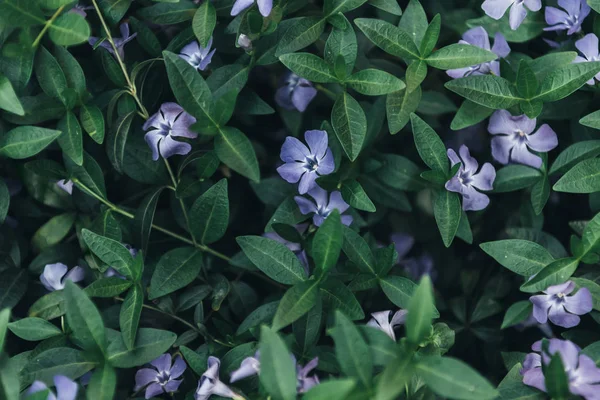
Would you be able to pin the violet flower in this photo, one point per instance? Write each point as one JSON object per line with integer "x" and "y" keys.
{"x": 66, "y": 185}
{"x": 170, "y": 121}
{"x": 210, "y": 384}
{"x": 478, "y": 37}
{"x": 296, "y": 248}
{"x": 582, "y": 373}
{"x": 55, "y": 276}
{"x": 264, "y": 6}
{"x": 81, "y": 10}
{"x": 198, "y": 57}
{"x": 305, "y": 382}
{"x": 569, "y": 20}
{"x": 497, "y": 8}
{"x": 323, "y": 205}
{"x": 588, "y": 46}
{"x": 381, "y": 320}
{"x": 119, "y": 42}
{"x": 415, "y": 267}
{"x": 306, "y": 164}
{"x": 66, "y": 389}
{"x": 467, "y": 179}
{"x": 162, "y": 378}
{"x": 249, "y": 366}
{"x": 296, "y": 93}
{"x": 516, "y": 137}
{"x": 562, "y": 310}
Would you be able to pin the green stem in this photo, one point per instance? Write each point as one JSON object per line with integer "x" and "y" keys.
{"x": 181, "y": 203}
{"x": 326, "y": 91}
{"x": 47, "y": 25}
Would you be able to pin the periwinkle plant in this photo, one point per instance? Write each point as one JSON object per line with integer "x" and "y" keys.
{"x": 299, "y": 200}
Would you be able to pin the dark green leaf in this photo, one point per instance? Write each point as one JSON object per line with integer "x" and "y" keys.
{"x": 175, "y": 270}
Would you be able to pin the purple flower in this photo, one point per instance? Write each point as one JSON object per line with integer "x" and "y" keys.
{"x": 249, "y": 366}
{"x": 210, "y": 384}
{"x": 162, "y": 378}
{"x": 170, "y": 121}
{"x": 66, "y": 389}
{"x": 582, "y": 373}
{"x": 479, "y": 37}
{"x": 66, "y": 185}
{"x": 305, "y": 382}
{"x": 119, "y": 42}
{"x": 531, "y": 322}
{"x": 79, "y": 9}
{"x": 296, "y": 248}
{"x": 323, "y": 205}
{"x": 588, "y": 46}
{"x": 198, "y": 57}
{"x": 296, "y": 93}
{"x": 562, "y": 310}
{"x": 306, "y": 164}
{"x": 55, "y": 276}
{"x": 264, "y": 6}
{"x": 497, "y": 8}
{"x": 381, "y": 321}
{"x": 516, "y": 138}
{"x": 571, "y": 20}
{"x": 467, "y": 179}
{"x": 415, "y": 267}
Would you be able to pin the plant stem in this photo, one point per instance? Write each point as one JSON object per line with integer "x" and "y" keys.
{"x": 175, "y": 317}
{"x": 47, "y": 25}
{"x": 181, "y": 203}
{"x": 326, "y": 91}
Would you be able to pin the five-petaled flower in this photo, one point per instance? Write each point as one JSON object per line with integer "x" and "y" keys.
{"x": 55, "y": 276}
{"x": 119, "y": 42}
{"x": 569, "y": 20}
{"x": 467, "y": 179}
{"x": 323, "y": 205}
{"x": 264, "y": 6}
{"x": 381, "y": 320}
{"x": 515, "y": 137}
{"x": 582, "y": 373}
{"x": 170, "y": 121}
{"x": 306, "y": 164}
{"x": 497, "y": 8}
{"x": 210, "y": 384}
{"x": 198, "y": 57}
{"x": 588, "y": 46}
{"x": 296, "y": 93}
{"x": 162, "y": 378}
{"x": 478, "y": 37}
{"x": 560, "y": 309}
{"x": 66, "y": 389}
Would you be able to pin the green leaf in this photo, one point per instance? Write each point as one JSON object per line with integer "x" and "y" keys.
{"x": 398, "y": 289}
{"x": 204, "y": 22}
{"x": 395, "y": 376}
{"x": 390, "y": 6}
{"x": 516, "y": 177}
{"x": 354, "y": 194}
{"x": 449, "y": 377}
{"x": 517, "y": 313}
{"x": 8, "y": 98}
{"x": 103, "y": 384}
{"x": 576, "y": 153}
{"x": 527, "y": 83}
{"x": 129, "y": 316}
{"x": 530, "y": 28}
{"x": 20, "y": 13}
{"x": 106, "y": 225}
{"x": 117, "y": 139}
{"x": 414, "y": 21}
{"x": 53, "y": 231}
{"x": 176, "y": 269}
{"x": 26, "y": 141}
{"x": 415, "y": 74}
{"x": 114, "y": 10}
{"x": 33, "y": 329}
{"x": 4, "y": 200}
{"x": 92, "y": 122}
{"x": 584, "y": 177}
{"x": 350, "y": 124}
{"x": 309, "y": 66}
{"x": 72, "y": 70}
{"x": 303, "y": 32}
{"x": 327, "y": 244}
{"x": 342, "y": 42}
{"x": 447, "y": 211}
{"x": 196, "y": 361}
{"x": 421, "y": 310}
{"x": 592, "y": 120}
{"x": 358, "y": 251}
{"x": 169, "y": 13}
{"x": 565, "y": 80}
{"x": 49, "y": 306}
{"x": 332, "y": 7}
{"x": 486, "y": 90}
{"x": 590, "y": 239}
{"x": 431, "y": 36}
{"x": 555, "y": 273}
{"x": 429, "y": 145}
{"x": 278, "y": 373}
{"x": 540, "y": 193}
{"x": 373, "y": 82}
{"x": 69, "y": 29}
{"x": 4, "y": 323}
{"x": 235, "y": 150}
{"x": 90, "y": 175}
{"x": 388, "y": 37}
{"x": 459, "y": 56}
{"x": 143, "y": 218}
{"x": 399, "y": 106}
{"x": 149, "y": 344}
{"x": 556, "y": 376}
{"x": 519, "y": 256}
{"x": 60, "y": 360}
{"x": 296, "y": 302}
{"x": 332, "y": 389}
{"x": 351, "y": 350}
{"x": 107, "y": 287}
{"x": 262, "y": 315}
{"x": 338, "y": 296}
{"x": 210, "y": 214}
{"x": 71, "y": 139}
{"x": 84, "y": 318}
{"x": 469, "y": 114}
{"x": 110, "y": 252}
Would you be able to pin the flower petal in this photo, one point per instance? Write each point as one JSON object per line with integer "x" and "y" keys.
{"x": 66, "y": 389}
{"x": 326, "y": 164}
{"x": 501, "y": 47}
{"x": 292, "y": 171}
{"x": 302, "y": 96}
{"x": 240, "y": 5}
{"x": 336, "y": 201}
{"x": 52, "y": 276}
{"x": 162, "y": 363}
{"x": 178, "y": 368}
{"x": 169, "y": 147}
{"x": 564, "y": 288}
{"x": 558, "y": 316}
{"x": 153, "y": 390}
{"x": 517, "y": 15}
{"x": 306, "y": 206}
{"x": 152, "y": 138}
{"x": 540, "y": 307}
{"x": 484, "y": 180}
{"x": 580, "y": 303}
{"x": 501, "y": 148}
{"x": 293, "y": 150}
{"x": 496, "y": 8}
{"x": 265, "y": 7}
{"x": 307, "y": 182}
{"x": 469, "y": 163}
{"x": 477, "y": 36}
{"x": 545, "y": 139}
{"x": 403, "y": 242}
{"x": 317, "y": 142}
{"x": 588, "y": 46}
{"x": 521, "y": 155}
{"x": 76, "y": 274}
{"x": 144, "y": 377}
{"x": 474, "y": 200}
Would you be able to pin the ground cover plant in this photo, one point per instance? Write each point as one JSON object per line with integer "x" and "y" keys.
{"x": 281, "y": 199}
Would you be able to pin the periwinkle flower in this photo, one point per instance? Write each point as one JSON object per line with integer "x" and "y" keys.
{"x": 515, "y": 137}
{"x": 582, "y": 373}
{"x": 66, "y": 389}
{"x": 323, "y": 205}
{"x": 417, "y": 266}
{"x": 264, "y": 6}
{"x": 588, "y": 46}
{"x": 296, "y": 93}
{"x": 198, "y": 57}
{"x": 381, "y": 320}
{"x": 249, "y": 366}
{"x": 305, "y": 382}
{"x": 497, "y": 8}
{"x": 467, "y": 179}
{"x": 162, "y": 378}
{"x": 55, "y": 276}
{"x": 170, "y": 121}
{"x": 560, "y": 309}
{"x": 306, "y": 164}
{"x": 66, "y": 185}
{"x": 119, "y": 42}
{"x": 296, "y": 248}
{"x": 478, "y": 37}
{"x": 569, "y": 20}
{"x": 210, "y": 384}
{"x": 244, "y": 42}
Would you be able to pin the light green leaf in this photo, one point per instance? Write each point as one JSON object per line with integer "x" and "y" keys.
{"x": 114, "y": 10}
{"x": 129, "y": 316}
{"x": 296, "y": 302}
{"x": 34, "y": 329}
{"x": 469, "y": 114}
{"x": 149, "y": 344}
{"x": 71, "y": 139}
{"x": 429, "y": 145}
{"x": 92, "y": 121}
{"x": 486, "y": 90}
{"x": 527, "y": 83}
{"x": 69, "y": 29}
{"x": 309, "y": 66}
{"x": 53, "y": 231}
{"x": 520, "y": 256}
{"x": 204, "y": 22}
{"x": 278, "y": 373}
{"x": 331, "y": 389}
{"x": 516, "y": 177}
{"x": 459, "y": 56}
{"x": 332, "y": 7}
{"x": 342, "y": 42}
{"x": 59, "y": 360}
{"x": 565, "y": 80}
{"x": 389, "y": 38}
{"x": 517, "y": 313}
{"x": 337, "y": 296}
{"x": 415, "y": 74}
{"x": 107, "y": 287}
{"x": 350, "y": 124}
{"x": 235, "y": 150}
{"x": 399, "y": 105}
{"x": 327, "y": 244}
{"x": 584, "y": 177}
{"x": 8, "y": 98}
{"x": 210, "y": 214}
{"x": 26, "y": 141}
{"x": 103, "y": 384}
{"x": 373, "y": 82}
{"x": 431, "y": 36}
{"x": 110, "y": 252}
{"x": 355, "y": 195}
{"x": 358, "y": 251}
{"x": 84, "y": 318}
{"x": 414, "y": 21}
{"x": 555, "y": 273}
{"x": 303, "y": 32}
{"x": 351, "y": 349}
{"x": 421, "y": 311}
